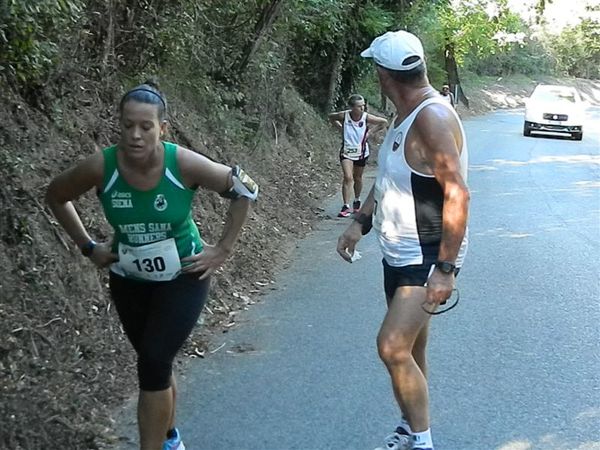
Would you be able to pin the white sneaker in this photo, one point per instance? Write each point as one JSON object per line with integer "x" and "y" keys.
{"x": 174, "y": 443}
{"x": 396, "y": 441}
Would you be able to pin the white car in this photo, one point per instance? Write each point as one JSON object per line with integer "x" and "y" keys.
{"x": 554, "y": 109}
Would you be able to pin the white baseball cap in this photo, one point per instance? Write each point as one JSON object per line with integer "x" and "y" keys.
{"x": 391, "y": 49}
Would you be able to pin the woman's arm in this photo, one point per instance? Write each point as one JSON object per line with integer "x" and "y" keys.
{"x": 67, "y": 187}
{"x": 337, "y": 119}
{"x": 377, "y": 122}
{"x": 198, "y": 170}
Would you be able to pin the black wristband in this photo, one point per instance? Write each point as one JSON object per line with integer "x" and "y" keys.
{"x": 445, "y": 267}
{"x": 88, "y": 248}
{"x": 366, "y": 223}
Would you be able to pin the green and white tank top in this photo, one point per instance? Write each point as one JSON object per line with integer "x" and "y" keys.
{"x": 153, "y": 229}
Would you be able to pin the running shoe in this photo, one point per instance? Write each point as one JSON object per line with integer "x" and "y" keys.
{"x": 345, "y": 212}
{"x": 403, "y": 430}
{"x": 174, "y": 443}
{"x": 396, "y": 441}
{"x": 356, "y": 206}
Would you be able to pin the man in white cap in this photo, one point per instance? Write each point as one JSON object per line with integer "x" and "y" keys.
{"x": 419, "y": 208}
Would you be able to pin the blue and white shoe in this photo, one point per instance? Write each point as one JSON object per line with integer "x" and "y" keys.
{"x": 404, "y": 429}
{"x": 174, "y": 443}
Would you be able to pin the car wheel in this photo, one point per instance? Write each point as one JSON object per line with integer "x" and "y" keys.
{"x": 577, "y": 136}
{"x": 526, "y": 130}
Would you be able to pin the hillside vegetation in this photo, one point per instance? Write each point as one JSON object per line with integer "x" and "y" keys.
{"x": 248, "y": 83}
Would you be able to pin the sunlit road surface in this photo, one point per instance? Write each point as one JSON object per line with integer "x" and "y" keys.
{"x": 515, "y": 366}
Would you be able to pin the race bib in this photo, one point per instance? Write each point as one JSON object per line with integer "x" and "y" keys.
{"x": 351, "y": 151}
{"x": 158, "y": 261}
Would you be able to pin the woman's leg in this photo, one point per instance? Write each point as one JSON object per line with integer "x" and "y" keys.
{"x": 176, "y": 306}
{"x": 155, "y": 409}
{"x": 347, "y": 168}
{"x": 358, "y": 180}
{"x": 157, "y": 318}
{"x": 174, "y": 393}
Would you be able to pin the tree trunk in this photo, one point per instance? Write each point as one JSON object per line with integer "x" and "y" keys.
{"x": 109, "y": 43}
{"x": 452, "y": 72}
{"x": 334, "y": 76}
{"x": 346, "y": 81}
{"x": 351, "y": 50}
{"x": 262, "y": 27}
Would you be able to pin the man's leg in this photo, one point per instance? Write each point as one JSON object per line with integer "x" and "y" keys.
{"x": 418, "y": 352}
{"x": 403, "y": 332}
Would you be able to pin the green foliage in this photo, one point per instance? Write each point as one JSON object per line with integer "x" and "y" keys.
{"x": 30, "y": 32}
{"x": 530, "y": 58}
{"x": 318, "y": 40}
{"x": 485, "y": 36}
{"x": 479, "y": 28}
{"x": 577, "y": 49}
{"x": 320, "y": 20}
{"x": 374, "y": 20}
{"x": 327, "y": 37}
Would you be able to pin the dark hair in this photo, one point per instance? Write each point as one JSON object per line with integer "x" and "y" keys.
{"x": 355, "y": 98}
{"x": 408, "y": 76}
{"x": 149, "y": 93}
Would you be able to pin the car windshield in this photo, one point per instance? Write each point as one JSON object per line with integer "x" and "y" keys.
{"x": 554, "y": 95}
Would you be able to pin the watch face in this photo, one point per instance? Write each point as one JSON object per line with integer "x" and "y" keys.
{"x": 445, "y": 267}
{"x": 88, "y": 248}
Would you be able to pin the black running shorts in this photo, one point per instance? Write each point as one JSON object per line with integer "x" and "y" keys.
{"x": 157, "y": 317}
{"x": 357, "y": 162}
{"x": 413, "y": 275}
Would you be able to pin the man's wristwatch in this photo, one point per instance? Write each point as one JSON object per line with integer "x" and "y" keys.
{"x": 445, "y": 267}
{"x": 366, "y": 223}
{"x": 88, "y": 248}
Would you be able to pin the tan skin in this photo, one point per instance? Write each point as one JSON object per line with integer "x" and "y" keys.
{"x": 432, "y": 147}
{"x": 141, "y": 163}
{"x": 353, "y": 174}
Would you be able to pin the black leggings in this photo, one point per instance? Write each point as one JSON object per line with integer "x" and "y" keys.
{"x": 157, "y": 317}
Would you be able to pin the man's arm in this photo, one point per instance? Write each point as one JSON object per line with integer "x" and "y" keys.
{"x": 365, "y": 216}
{"x": 440, "y": 135}
{"x": 359, "y": 226}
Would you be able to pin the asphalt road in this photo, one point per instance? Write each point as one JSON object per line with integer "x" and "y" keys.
{"x": 515, "y": 367}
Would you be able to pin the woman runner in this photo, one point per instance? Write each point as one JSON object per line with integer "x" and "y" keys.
{"x": 159, "y": 265}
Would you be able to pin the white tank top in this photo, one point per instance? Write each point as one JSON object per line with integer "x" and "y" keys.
{"x": 355, "y": 135}
{"x": 408, "y": 208}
